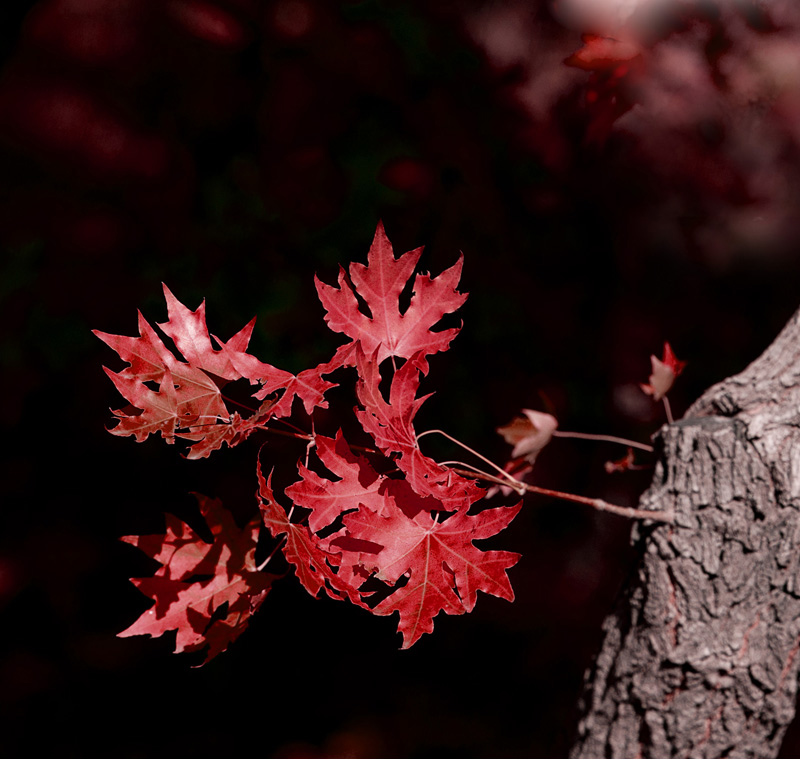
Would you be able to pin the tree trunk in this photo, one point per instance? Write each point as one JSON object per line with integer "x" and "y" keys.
{"x": 700, "y": 658}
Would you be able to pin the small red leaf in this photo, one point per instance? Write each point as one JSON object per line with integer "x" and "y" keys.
{"x": 663, "y": 373}
{"x": 390, "y": 425}
{"x": 358, "y": 484}
{"x": 622, "y": 464}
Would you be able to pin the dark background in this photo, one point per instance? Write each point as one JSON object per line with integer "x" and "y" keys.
{"x": 234, "y": 148}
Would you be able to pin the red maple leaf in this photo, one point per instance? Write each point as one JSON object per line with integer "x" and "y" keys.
{"x": 380, "y": 284}
{"x": 187, "y": 400}
{"x": 358, "y": 483}
{"x": 358, "y": 486}
{"x": 212, "y": 610}
{"x": 434, "y": 554}
{"x": 390, "y": 425}
{"x": 315, "y": 567}
{"x": 412, "y": 532}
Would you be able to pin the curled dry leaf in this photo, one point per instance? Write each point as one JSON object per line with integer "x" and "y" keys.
{"x": 529, "y": 434}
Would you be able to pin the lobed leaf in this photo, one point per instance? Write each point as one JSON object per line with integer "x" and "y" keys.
{"x": 314, "y": 566}
{"x": 435, "y": 555}
{"x": 385, "y": 330}
{"x": 194, "y": 608}
{"x": 189, "y": 403}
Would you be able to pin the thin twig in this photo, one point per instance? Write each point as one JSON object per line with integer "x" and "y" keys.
{"x": 476, "y": 470}
{"x": 510, "y": 481}
{"x": 604, "y": 506}
{"x": 601, "y": 437}
{"x": 599, "y": 504}
{"x": 290, "y": 425}
{"x": 238, "y": 403}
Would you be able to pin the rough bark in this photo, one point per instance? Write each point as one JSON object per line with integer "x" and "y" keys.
{"x": 700, "y": 658}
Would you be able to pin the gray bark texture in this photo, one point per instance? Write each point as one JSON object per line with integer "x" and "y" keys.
{"x": 700, "y": 658}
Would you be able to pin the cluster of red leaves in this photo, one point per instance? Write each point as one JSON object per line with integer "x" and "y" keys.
{"x": 184, "y": 398}
{"x": 401, "y": 543}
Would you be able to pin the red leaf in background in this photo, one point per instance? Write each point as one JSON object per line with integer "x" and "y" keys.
{"x": 663, "y": 373}
{"x": 208, "y": 21}
{"x": 307, "y": 385}
{"x": 194, "y": 608}
{"x": 603, "y": 53}
{"x": 444, "y": 568}
{"x": 380, "y": 284}
{"x": 614, "y": 67}
{"x": 188, "y": 402}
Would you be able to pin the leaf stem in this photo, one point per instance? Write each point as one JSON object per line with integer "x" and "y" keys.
{"x": 238, "y": 403}
{"x": 600, "y": 437}
{"x": 494, "y": 466}
{"x": 288, "y": 434}
{"x": 272, "y": 554}
{"x": 668, "y": 412}
{"x": 483, "y": 475}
